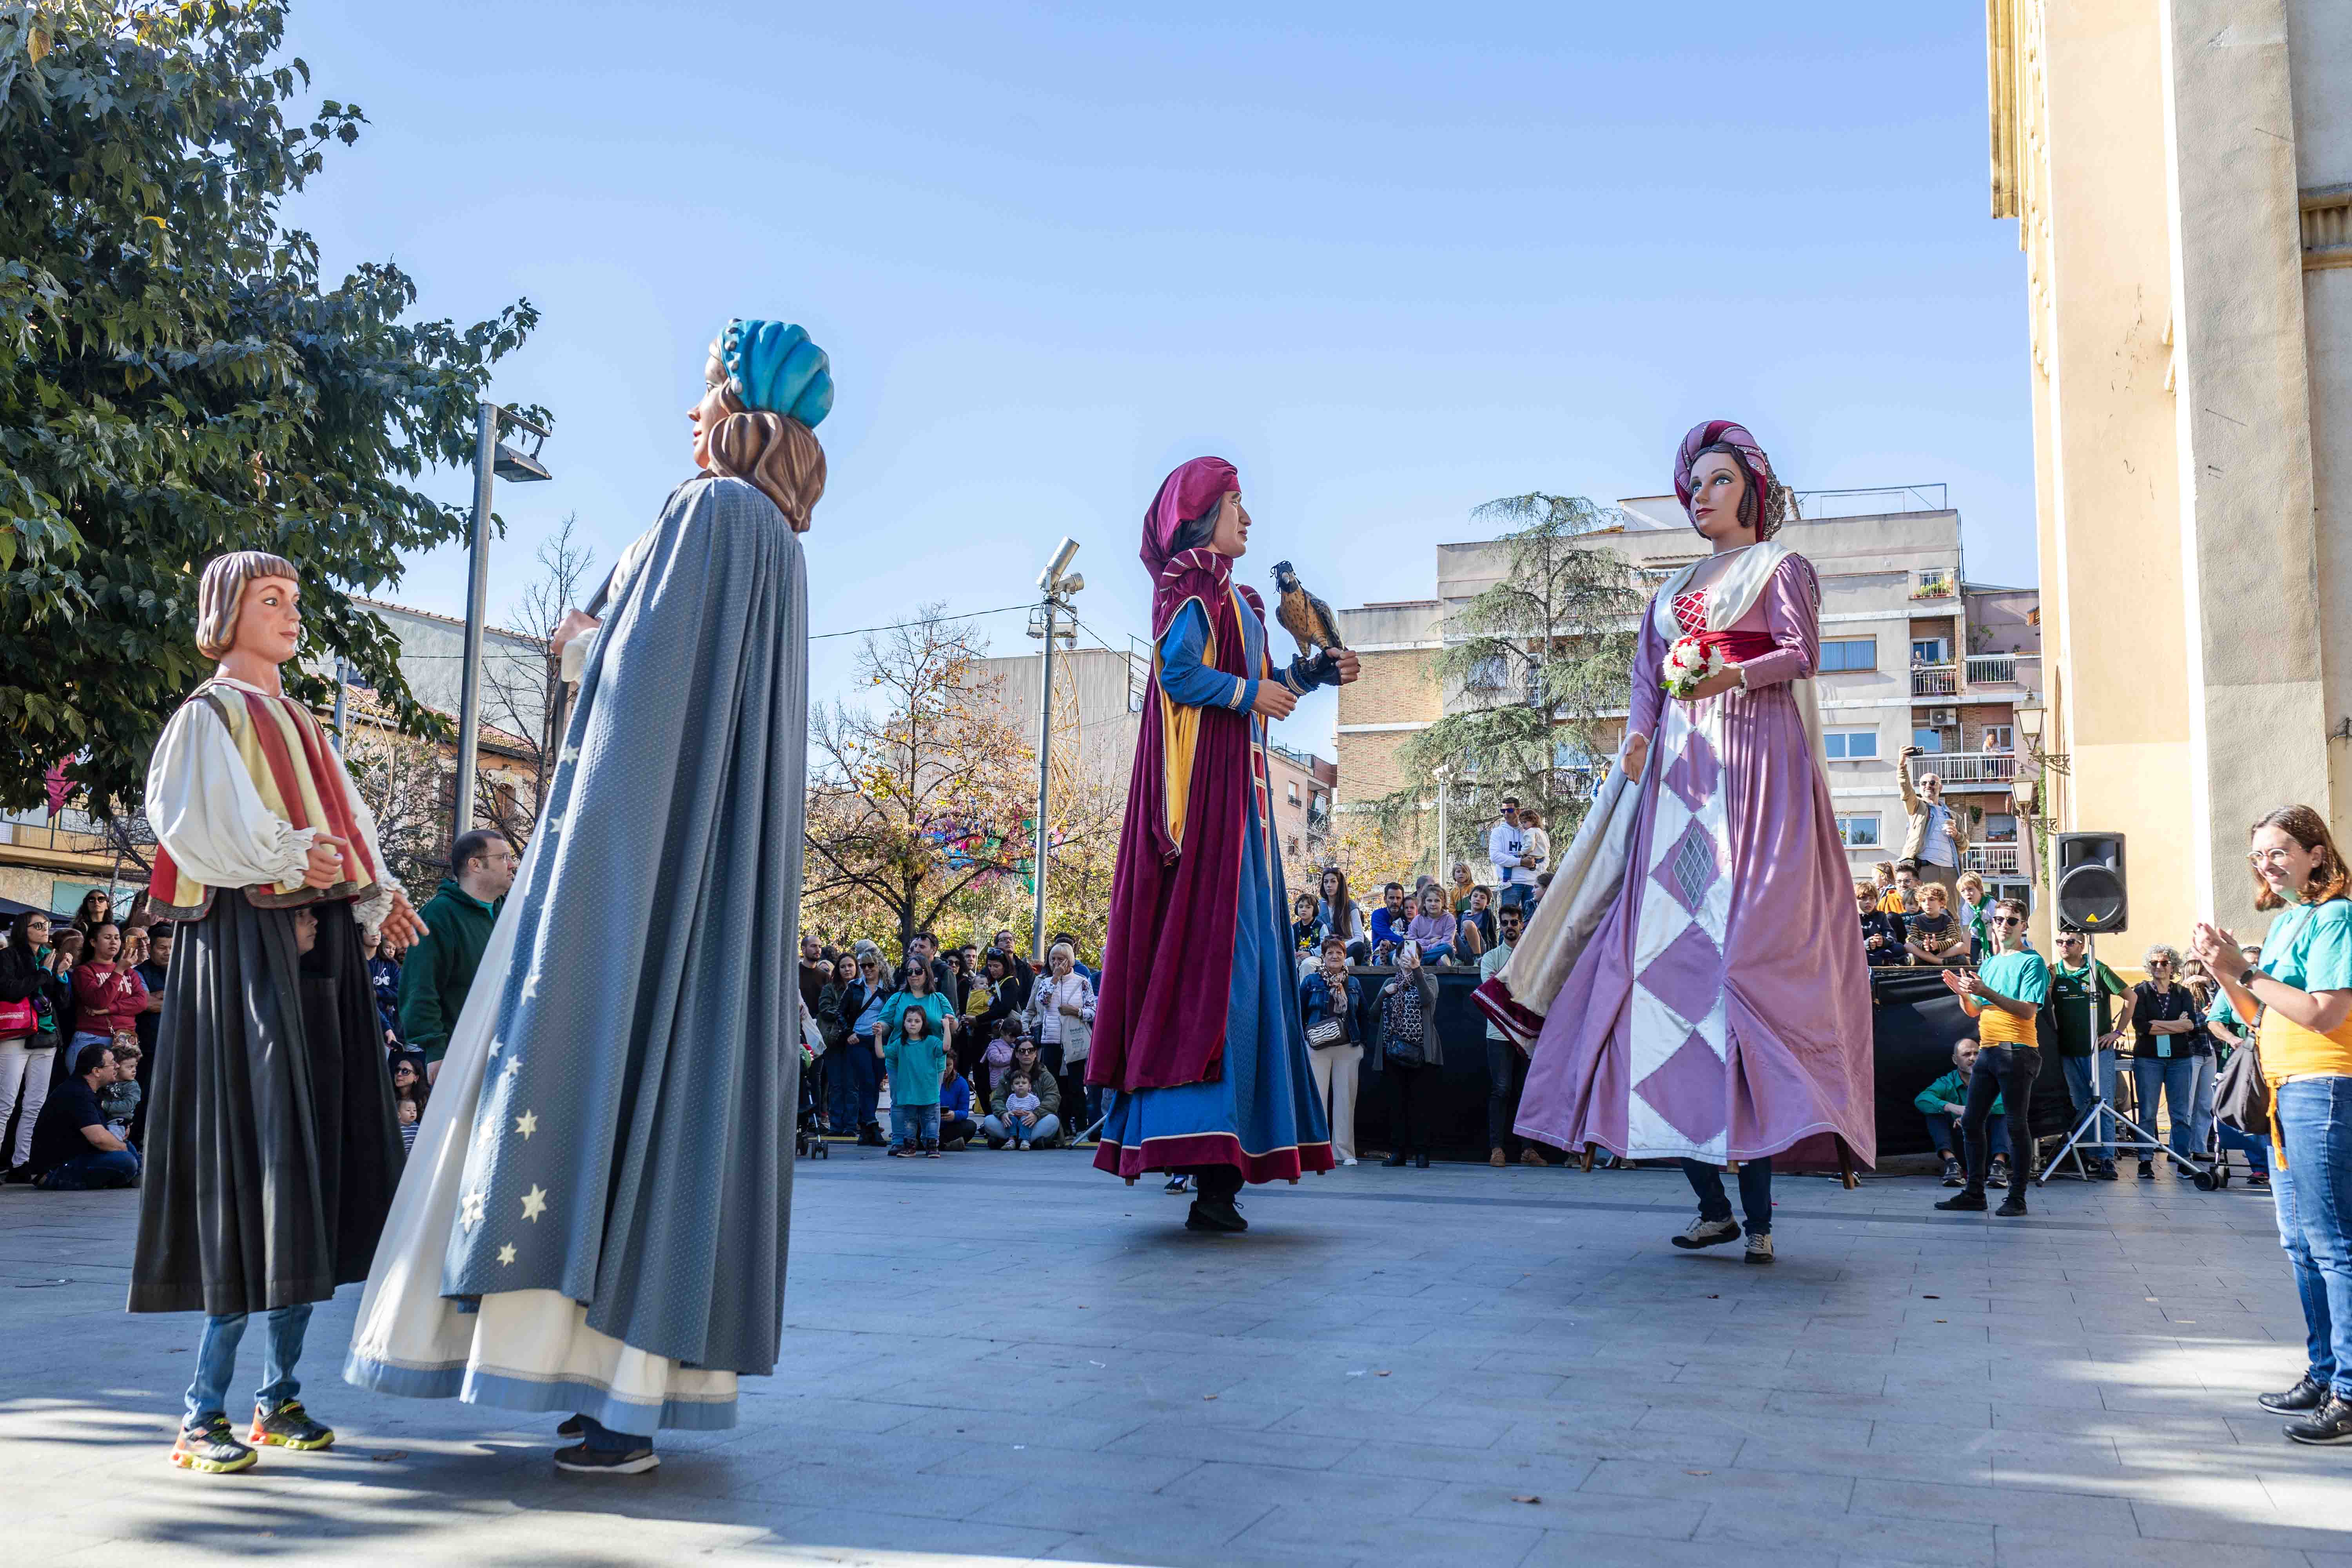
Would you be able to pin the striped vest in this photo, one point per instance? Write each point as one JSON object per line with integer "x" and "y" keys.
{"x": 300, "y": 778}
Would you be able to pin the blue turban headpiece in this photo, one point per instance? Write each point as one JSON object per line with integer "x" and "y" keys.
{"x": 773, "y": 366}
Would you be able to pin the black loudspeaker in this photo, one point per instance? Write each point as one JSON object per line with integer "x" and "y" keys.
{"x": 2091, "y": 882}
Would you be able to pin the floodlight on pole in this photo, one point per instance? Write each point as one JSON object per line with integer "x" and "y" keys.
{"x": 1057, "y": 587}
{"x": 493, "y": 460}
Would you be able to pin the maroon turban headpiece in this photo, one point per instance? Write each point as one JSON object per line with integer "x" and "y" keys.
{"x": 1193, "y": 492}
{"x": 1753, "y": 464}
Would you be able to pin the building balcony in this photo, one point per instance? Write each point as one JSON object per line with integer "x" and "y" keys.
{"x": 1992, "y": 860}
{"x": 1935, "y": 680}
{"x": 1967, "y": 770}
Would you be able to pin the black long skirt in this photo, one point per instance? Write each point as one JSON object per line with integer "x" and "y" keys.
{"x": 272, "y": 1152}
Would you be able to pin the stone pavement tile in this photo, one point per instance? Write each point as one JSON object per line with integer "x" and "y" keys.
{"x": 1472, "y": 1431}
{"x": 1107, "y": 1472}
{"x": 1180, "y": 1530}
{"x": 1339, "y": 1492}
{"x": 1058, "y": 1429}
{"x": 1827, "y": 1431}
{"x": 1189, "y": 1407}
{"x": 1575, "y": 1439}
{"x": 1193, "y": 1440}
{"x": 2322, "y": 1501}
{"x": 1500, "y": 1465}
{"x": 1669, "y": 1519}
{"x": 1392, "y": 1542}
{"x": 857, "y": 1487}
{"x": 2030, "y": 1549}
{"x": 2040, "y": 1510}
{"x": 1084, "y": 1549}
{"x": 1959, "y": 1466}
{"x": 1743, "y": 1522}
{"x": 2242, "y": 1521}
{"x": 1585, "y": 1548}
{"x": 856, "y": 1536}
{"x": 1648, "y": 1479}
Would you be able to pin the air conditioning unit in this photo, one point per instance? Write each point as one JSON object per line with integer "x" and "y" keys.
{"x": 1943, "y": 718}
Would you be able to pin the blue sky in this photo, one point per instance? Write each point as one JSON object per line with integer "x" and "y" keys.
{"x": 1393, "y": 260}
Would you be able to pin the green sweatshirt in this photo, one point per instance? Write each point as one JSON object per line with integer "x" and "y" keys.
{"x": 436, "y": 974}
{"x": 1949, "y": 1090}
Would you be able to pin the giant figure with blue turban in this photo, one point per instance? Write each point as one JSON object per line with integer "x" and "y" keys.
{"x": 594, "y": 1218}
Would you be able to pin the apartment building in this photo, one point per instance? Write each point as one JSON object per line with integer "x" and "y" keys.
{"x": 1913, "y": 653}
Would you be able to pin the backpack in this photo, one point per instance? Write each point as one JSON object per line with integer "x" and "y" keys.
{"x": 2239, "y": 1098}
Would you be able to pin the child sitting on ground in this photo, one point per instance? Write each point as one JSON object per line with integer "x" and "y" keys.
{"x": 1021, "y": 1109}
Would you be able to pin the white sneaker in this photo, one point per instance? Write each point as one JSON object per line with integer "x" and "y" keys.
{"x": 1348, "y": 1161}
{"x": 1708, "y": 1233}
{"x": 1760, "y": 1248}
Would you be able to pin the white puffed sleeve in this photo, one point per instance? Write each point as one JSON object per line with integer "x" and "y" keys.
{"x": 370, "y": 907}
{"x": 208, "y": 816}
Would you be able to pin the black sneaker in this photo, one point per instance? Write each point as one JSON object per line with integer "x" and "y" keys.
{"x": 573, "y": 1426}
{"x": 2106, "y": 1170}
{"x": 1952, "y": 1177}
{"x": 1971, "y": 1202}
{"x": 1178, "y": 1185}
{"x": 2148, "y": 1170}
{"x": 2000, "y": 1176}
{"x": 1216, "y": 1214}
{"x": 2013, "y": 1207}
{"x": 214, "y": 1451}
{"x": 288, "y": 1427}
{"x": 2309, "y": 1393}
{"x": 582, "y": 1459}
{"x": 1399, "y": 1158}
{"x": 2330, "y": 1424}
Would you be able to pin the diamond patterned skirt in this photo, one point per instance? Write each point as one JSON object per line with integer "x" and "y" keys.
{"x": 1722, "y": 1009}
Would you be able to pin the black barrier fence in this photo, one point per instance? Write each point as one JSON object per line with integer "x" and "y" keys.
{"x": 1915, "y": 1024}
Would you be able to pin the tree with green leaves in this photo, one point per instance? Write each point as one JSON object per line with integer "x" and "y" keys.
{"x": 1533, "y": 669}
{"x": 175, "y": 382}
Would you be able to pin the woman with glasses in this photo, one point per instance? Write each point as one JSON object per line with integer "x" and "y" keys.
{"x": 855, "y": 1088}
{"x": 2167, "y": 1036}
{"x": 2301, "y": 991}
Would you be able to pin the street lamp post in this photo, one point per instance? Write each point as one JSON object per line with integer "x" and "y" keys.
{"x": 493, "y": 460}
{"x": 1057, "y": 583}
{"x": 1441, "y": 773}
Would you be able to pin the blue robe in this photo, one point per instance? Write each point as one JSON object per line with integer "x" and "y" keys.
{"x": 1265, "y": 1097}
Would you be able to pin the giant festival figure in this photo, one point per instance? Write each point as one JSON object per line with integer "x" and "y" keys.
{"x": 1692, "y": 987}
{"x": 594, "y": 1215}
{"x": 1198, "y": 1027}
{"x": 271, "y": 1150}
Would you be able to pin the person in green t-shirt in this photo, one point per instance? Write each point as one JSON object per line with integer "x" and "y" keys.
{"x": 2004, "y": 996}
{"x": 2088, "y": 1033}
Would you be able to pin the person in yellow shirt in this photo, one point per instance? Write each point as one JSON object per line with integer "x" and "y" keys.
{"x": 2302, "y": 990}
{"x": 2004, "y": 996}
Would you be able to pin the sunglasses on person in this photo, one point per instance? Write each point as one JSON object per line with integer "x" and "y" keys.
{"x": 2007, "y": 920}
{"x": 2070, "y": 941}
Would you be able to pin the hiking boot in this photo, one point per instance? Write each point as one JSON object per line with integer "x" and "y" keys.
{"x": 1759, "y": 1247}
{"x": 1216, "y": 1214}
{"x": 582, "y": 1459}
{"x": 1704, "y": 1232}
{"x": 1952, "y": 1177}
{"x": 2309, "y": 1393}
{"x": 288, "y": 1427}
{"x": 2011, "y": 1207}
{"x": 1964, "y": 1203}
{"x": 214, "y": 1451}
{"x": 2330, "y": 1424}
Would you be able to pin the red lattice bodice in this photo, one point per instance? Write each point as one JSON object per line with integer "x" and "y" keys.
{"x": 1690, "y": 612}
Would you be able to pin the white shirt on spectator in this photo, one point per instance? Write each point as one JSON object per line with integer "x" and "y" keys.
{"x": 1046, "y": 1014}
{"x": 1936, "y": 843}
{"x": 1505, "y": 845}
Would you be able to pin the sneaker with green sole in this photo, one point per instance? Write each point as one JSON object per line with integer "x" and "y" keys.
{"x": 288, "y": 1427}
{"x": 213, "y": 1450}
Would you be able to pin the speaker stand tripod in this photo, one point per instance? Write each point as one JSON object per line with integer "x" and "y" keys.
{"x": 2091, "y": 1114}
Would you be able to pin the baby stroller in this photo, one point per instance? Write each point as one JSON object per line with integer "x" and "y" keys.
{"x": 808, "y": 1133}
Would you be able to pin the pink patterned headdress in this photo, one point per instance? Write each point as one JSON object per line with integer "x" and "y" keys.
{"x": 1758, "y": 468}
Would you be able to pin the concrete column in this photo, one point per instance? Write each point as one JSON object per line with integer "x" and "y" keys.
{"x": 2248, "y": 543}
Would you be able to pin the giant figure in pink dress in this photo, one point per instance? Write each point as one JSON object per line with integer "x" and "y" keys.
{"x": 1693, "y": 987}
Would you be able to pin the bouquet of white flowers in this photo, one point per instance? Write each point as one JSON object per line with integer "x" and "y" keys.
{"x": 1689, "y": 664}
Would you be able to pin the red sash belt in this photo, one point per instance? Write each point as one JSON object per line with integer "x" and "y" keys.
{"x": 1738, "y": 646}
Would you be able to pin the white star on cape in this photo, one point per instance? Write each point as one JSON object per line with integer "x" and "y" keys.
{"x": 470, "y": 1213}
{"x": 527, "y": 1124}
{"x": 506, "y": 1253}
{"x": 534, "y": 1201}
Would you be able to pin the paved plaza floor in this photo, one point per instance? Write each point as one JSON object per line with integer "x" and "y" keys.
{"x": 1007, "y": 1357}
